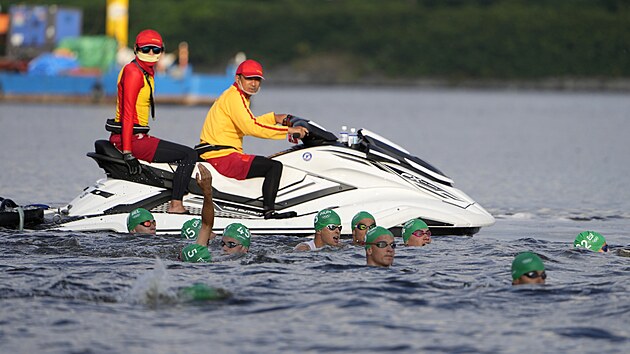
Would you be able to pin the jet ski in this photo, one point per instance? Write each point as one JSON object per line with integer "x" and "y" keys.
{"x": 374, "y": 174}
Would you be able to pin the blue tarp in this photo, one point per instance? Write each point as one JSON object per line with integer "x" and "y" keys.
{"x": 50, "y": 65}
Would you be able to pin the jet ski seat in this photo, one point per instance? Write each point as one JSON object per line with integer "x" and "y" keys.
{"x": 109, "y": 158}
{"x": 104, "y": 147}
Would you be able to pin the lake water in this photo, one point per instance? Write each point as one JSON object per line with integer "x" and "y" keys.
{"x": 547, "y": 165}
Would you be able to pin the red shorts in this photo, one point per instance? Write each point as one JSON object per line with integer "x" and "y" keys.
{"x": 142, "y": 146}
{"x": 234, "y": 165}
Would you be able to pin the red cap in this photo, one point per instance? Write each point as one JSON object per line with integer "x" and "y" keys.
{"x": 149, "y": 37}
{"x": 250, "y": 68}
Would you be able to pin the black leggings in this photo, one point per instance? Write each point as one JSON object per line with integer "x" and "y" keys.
{"x": 272, "y": 171}
{"x": 185, "y": 157}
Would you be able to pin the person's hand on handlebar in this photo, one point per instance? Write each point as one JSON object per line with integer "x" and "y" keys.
{"x": 299, "y": 130}
{"x": 282, "y": 118}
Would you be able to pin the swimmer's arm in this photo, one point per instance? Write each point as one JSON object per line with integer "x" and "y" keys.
{"x": 204, "y": 180}
{"x": 302, "y": 247}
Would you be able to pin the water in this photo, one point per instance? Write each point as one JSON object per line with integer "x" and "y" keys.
{"x": 548, "y": 165}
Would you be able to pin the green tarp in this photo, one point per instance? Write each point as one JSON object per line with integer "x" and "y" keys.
{"x": 92, "y": 51}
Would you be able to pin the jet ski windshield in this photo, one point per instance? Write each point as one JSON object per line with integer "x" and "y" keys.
{"x": 379, "y": 148}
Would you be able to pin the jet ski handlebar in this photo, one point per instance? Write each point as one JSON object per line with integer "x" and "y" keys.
{"x": 317, "y": 135}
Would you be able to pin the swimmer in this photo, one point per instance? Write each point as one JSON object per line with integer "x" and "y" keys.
{"x": 591, "y": 240}
{"x": 190, "y": 229}
{"x": 361, "y": 223}
{"x": 141, "y": 221}
{"x": 380, "y": 247}
{"x": 528, "y": 268}
{"x": 327, "y": 232}
{"x": 202, "y": 292}
{"x": 416, "y": 233}
{"x": 198, "y": 252}
{"x": 236, "y": 239}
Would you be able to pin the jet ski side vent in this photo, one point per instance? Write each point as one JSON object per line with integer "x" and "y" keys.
{"x": 149, "y": 203}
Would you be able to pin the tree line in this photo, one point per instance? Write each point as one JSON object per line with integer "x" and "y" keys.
{"x": 354, "y": 39}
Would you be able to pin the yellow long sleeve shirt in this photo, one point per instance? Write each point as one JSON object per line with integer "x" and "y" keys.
{"x": 230, "y": 119}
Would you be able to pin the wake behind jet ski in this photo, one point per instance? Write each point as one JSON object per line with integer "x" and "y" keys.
{"x": 374, "y": 174}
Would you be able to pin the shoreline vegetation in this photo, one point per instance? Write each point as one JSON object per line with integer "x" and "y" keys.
{"x": 287, "y": 78}
{"x": 513, "y": 44}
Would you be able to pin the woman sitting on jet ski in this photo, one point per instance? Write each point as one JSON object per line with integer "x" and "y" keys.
{"x": 130, "y": 128}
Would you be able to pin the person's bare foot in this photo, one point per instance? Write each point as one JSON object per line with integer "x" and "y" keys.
{"x": 177, "y": 207}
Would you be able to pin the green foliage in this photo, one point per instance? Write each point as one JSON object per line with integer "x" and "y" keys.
{"x": 455, "y": 39}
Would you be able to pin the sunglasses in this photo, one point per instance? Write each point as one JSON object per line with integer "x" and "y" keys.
{"x": 420, "y": 233}
{"x": 147, "y": 223}
{"x": 605, "y": 247}
{"x": 534, "y": 274}
{"x": 230, "y": 244}
{"x": 363, "y": 226}
{"x": 333, "y": 227}
{"x": 148, "y": 48}
{"x": 382, "y": 244}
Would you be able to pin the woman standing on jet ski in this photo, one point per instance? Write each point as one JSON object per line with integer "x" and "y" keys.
{"x": 130, "y": 128}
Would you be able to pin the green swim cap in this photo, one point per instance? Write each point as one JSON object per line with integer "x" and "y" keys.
{"x": 190, "y": 229}
{"x": 590, "y": 240}
{"x": 238, "y": 232}
{"x": 196, "y": 253}
{"x": 375, "y": 233}
{"x": 138, "y": 216}
{"x": 360, "y": 216}
{"x": 524, "y": 263}
{"x": 326, "y": 217}
{"x": 200, "y": 292}
{"x": 412, "y": 226}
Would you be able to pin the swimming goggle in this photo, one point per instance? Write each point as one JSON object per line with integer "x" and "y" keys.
{"x": 230, "y": 244}
{"x": 420, "y": 233}
{"x": 363, "y": 226}
{"x": 148, "y": 223}
{"x": 382, "y": 244}
{"x": 534, "y": 274}
{"x": 333, "y": 227}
